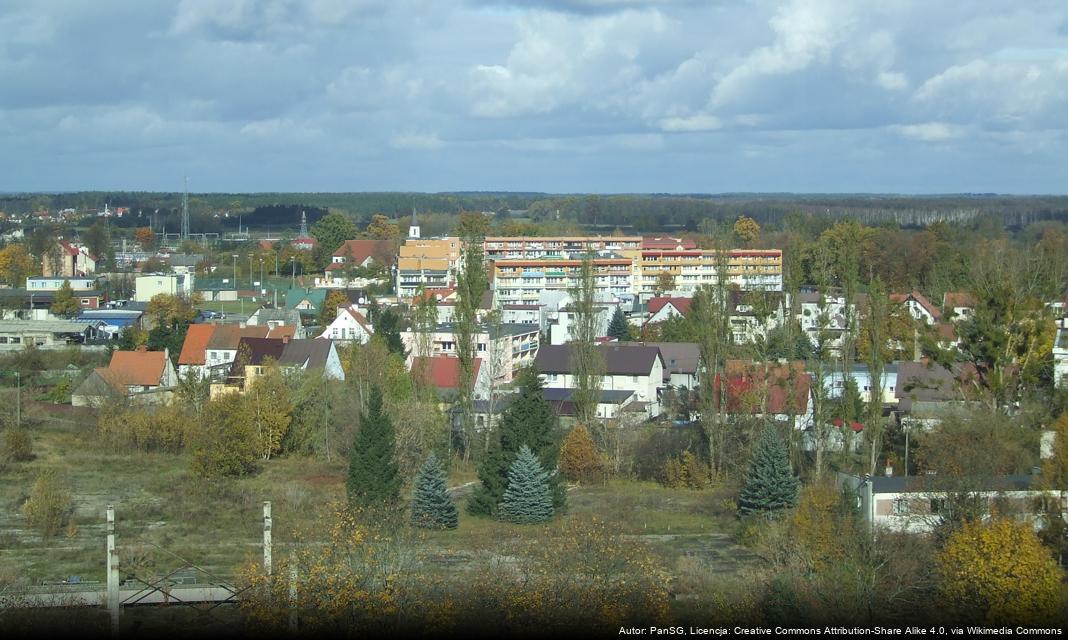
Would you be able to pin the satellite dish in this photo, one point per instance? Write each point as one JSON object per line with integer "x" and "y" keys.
{"x": 363, "y": 301}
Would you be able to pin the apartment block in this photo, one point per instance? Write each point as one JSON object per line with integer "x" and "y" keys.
{"x": 536, "y": 248}
{"x": 522, "y": 281}
{"x": 427, "y": 262}
{"x": 749, "y": 269}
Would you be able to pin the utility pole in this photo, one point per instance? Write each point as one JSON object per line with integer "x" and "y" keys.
{"x": 18, "y": 400}
{"x": 267, "y": 537}
{"x": 250, "y": 271}
{"x": 234, "y": 256}
{"x": 185, "y": 210}
{"x": 114, "y": 606}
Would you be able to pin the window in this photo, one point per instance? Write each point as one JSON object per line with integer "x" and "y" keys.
{"x": 900, "y": 507}
{"x": 634, "y": 378}
{"x": 939, "y": 506}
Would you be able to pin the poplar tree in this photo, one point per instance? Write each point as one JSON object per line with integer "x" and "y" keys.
{"x": 528, "y": 499}
{"x": 770, "y": 484}
{"x": 373, "y": 476}
{"x": 432, "y": 506}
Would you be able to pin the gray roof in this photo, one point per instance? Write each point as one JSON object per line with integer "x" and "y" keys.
{"x": 44, "y": 326}
{"x": 679, "y": 357}
{"x": 105, "y": 314}
{"x": 311, "y": 353}
{"x": 925, "y": 382}
{"x": 619, "y": 359}
{"x": 926, "y": 484}
{"x": 288, "y": 316}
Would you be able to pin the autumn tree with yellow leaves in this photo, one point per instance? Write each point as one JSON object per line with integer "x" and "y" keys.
{"x": 999, "y": 572}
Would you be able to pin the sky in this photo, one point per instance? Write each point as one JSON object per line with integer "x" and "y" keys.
{"x": 563, "y": 96}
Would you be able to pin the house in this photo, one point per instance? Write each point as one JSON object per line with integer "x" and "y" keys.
{"x": 141, "y": 376}
{"x": 682, "y": 363}
{"x": 1060, "y": 356}
{"x": 350, "y": 325}
{"x": 521, "y": 313}
{"x": 752, "y": 314}
{"x": 834, "y": 383}
{"x": 67, "y": 261}
{"x": 506, "y": 348}
{"x": 443, "y": 373}
{"x": 627, "y": 367}
{"x": 193, "y": 357}
{"x": 115, "y": 320}
{"x": 361, "y": 253}
{"x": 661, "y": 308}
{"x": 919, "y": 307}
{"x": 255, "y": 354}
{"x": 926, "y": 392}
{"x": 275, "y": 318}
{"x": 779, "y": 391}
{"x": 564, "y": 323}
{"x": 919, "y": 503}
{"x": 16, "y": 334}
{"x": 957, "y": 306}
{"x": 147, "y": 287}
{"x": 307, "y": 302}
{"x": 824, "y": 317}
{"x": 611, "y": 404}
{"x": 221, "y": 347}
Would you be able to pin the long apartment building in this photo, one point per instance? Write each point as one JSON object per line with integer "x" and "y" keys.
{"x": 521, "y": 281}
{"x": 519, "y": 248}
{"x": 749, "y": 269}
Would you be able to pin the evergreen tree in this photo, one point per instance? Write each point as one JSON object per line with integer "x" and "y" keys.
{"x": 618, "y": 327}
{"x": 770, "y": 484}
{"x": 64, "y": 303}
{"x": 528, "y": 498}
{"x": 386, "y": 324}
{"x": 432, "y": 506}
{"x": 373, "y": 476}
{"x": 530, "y": 421}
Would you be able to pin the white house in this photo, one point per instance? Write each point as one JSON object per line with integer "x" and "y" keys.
{"x": 350, "y": 325}
{"x": 627, "y": 367}
{"x": 919, "y": 307}
{"x": 834, "y": 383}
{"x": 662, "y": 307}
{"x": 175, "y": 284}
{"x": 1060, "y": 356}
{"x": 754, "y": 313}
{"x": 506, "y": 348}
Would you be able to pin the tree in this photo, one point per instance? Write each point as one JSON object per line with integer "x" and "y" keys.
{"x": 746, "y": 229}
{"x": 528, "y": 498}
{"x": 432, "y": 506}
{"x": 386, "y": 325}
{"x": 224, "y": 440}
{"x": 770, "y": 484}
{"x": 332, "y": 230}
{"x": 145, "y": 237}
{"x": 97, "y": 240}
{"x": 618, "y": 328}
{"x": 665, "y": 282}
{"x": 373, "y": 479}
{"x": 529, "y": 420}
{"x": 472, "y": 225}
{"x": 16, "y": 264}
{"x": 49, "y": 505}
{"x": 381, "y": 228}
{"x": 270, "y": 410}
{"x": 65, "y": 304}
{"x": 1000, "y": 571}
{"x": 328, "y": 311}
{"x": 586, "y": 360}
{"x": 579, "y": 459}
{"x": 471, "y": 284}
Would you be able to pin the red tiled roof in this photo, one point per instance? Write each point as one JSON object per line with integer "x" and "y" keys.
{"x": 668, "y": 243}
{"x": 357, "y": 251}
{"x": 68, "y": 247}
{"x": 920, "y": 299}
{"x": 682, "y": 305}
{"x": 747, "y": 386}
{"x": 196, "y": 343}
{"x": 442, "y": 372}
{"x": 284, "y": 331}
{"x": 137, "y": 367}
{"x": 953, "y": 299}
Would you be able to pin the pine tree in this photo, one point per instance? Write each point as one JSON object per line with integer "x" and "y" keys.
{"x": 373, "y": 476}
{"x": 528, "y": 420}
{"x": 432, "y": 506}
{"x": 770, "y": 484}
{"x": 528, "y": 498}
{"x": 618, "y": 327}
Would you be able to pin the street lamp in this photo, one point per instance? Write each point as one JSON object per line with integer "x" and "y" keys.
{"x": 234, "y": 256}
{"x": 293, "y": 262}
{"x": 250, "y": 270}
{"x": 261, "y": 274}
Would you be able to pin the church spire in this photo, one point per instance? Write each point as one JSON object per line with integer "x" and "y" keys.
{"x": 413, "y": 228}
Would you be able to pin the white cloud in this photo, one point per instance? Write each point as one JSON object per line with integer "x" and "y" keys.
{"x": 892, "y": 80}
{"x": 701, "y": 122}
{"x": 928, "y": 131}
{"x": 416, "y": 140}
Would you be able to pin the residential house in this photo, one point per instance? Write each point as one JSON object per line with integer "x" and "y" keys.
{"x": 221, "y": 347}
{"x": 506, "y": 348}
{"x": 276, "y": 318}
{"x": 957, "y": 306}
{"x": 443, "y": 373}
{"x": 426, "y": 262}
{"x": 612, "y": 404}
{"x": 834, "y": 383}
{"x": 752, "y": 314}
{"x": 41, "y": 291}
{"x": 682, "y": 363}
{"x": 779, "y": 391}
{"x": 927, "y": 392}
{"x": 627, "y": 367}
{"x": 254, "y": 355}
{"x": 352, "y": 255}
{"x": 147, "y": 287}
{"x": 307, "y": 302}
{"x": 919, "y": 307}
{"x": 564, "y": 323}
{"x": 350, "y": 325}
{"x": 919, "y": 503}
{"x": 67, "y": 260}
{"x": 521, "y": 313}
{"x": 824, "y": 317}
{"x": 660, "y": 308}
{"x": 140, "y": 376}
{"x": 1060, "y": 356}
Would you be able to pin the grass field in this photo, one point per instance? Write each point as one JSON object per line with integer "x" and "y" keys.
{"x": 167, "y": 517}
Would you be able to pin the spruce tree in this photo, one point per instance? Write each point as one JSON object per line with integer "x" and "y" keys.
{"x": 770, "y": 484}
{"x": 618, "y": 327}
{"x": 528, "y": 420}
{"x": 373, "y": 476}
{"x": 432, "y": 506}
{"x": 528, "y": 498}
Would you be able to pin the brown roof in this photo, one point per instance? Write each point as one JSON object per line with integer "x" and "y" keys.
{"x": 920, "y": 299}
{"x": 682, "y": 305}
{"x": 443, "y": 372}
{"x": 137, "y": 367}
{"x": 786, "y": 387}
{"x": 619, "y": 359}
{"x": 356, "y": 251}
{"x": 953, "y": 299}
{"x": 196, "y": 343}
{"x": 929, "y": 382}
{"x": 227, "y": 336}
{"x": 283, "y": 331}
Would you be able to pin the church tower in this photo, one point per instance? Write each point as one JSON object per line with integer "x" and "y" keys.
{"x": 413, "y": 229}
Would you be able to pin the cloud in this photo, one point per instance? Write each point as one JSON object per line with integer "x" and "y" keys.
{"x": 702, "y": 122}
{"x": 416, "y": 140}
{"x": 928, "y": 131}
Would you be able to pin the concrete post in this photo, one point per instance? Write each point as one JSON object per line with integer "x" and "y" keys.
{"x": 267, "y": 537}
{"x": 293, "y": 597}
{"x": 114, "y": 606}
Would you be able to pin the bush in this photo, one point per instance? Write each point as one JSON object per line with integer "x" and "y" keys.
{"x": 49, "y": 506}
{"x": 18, "y": 445}
{"x": 685, "y": 471}
{"x": 579, "y": 459}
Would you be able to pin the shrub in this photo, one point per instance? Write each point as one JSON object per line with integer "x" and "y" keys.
{"x": 18, "y": 445}
{"x": 685, "y": 471}
{"x": 579, "y": 459}
{"x": 49, "y": 506}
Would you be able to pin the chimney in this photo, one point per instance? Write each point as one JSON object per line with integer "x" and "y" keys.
{"x": 285, "y": 339}
{"x": 142, "y": 349}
